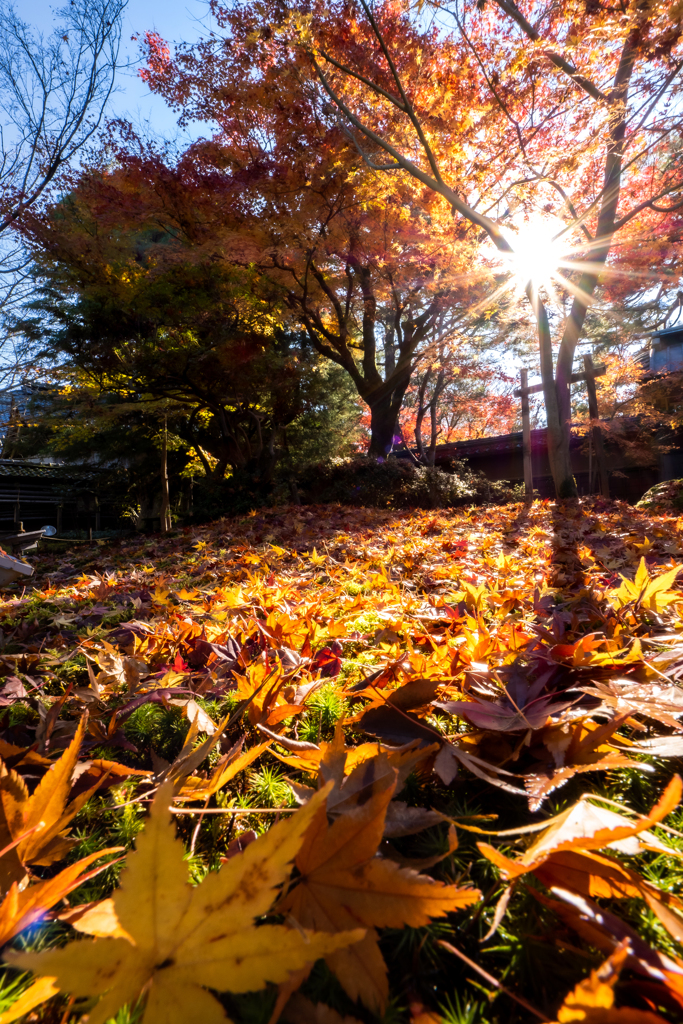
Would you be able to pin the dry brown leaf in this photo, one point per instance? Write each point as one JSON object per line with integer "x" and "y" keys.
{"x": 540, "y": 786}
{"x": 582, "y": 835}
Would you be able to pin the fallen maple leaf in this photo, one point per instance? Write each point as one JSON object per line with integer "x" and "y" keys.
{"x": 592, "y": 1001}
{"x": 647, "y": 592}
{"x": 230, "y": 765}
{"x": 22, "y": 755}
{"x": 43, "y": 815}
{"x": 102, "y": 774}
{"x": 583, "y": 746}
{"x": 39, "y": 992}
{"x": 327, "y": 661}
{"x": 24, "y": 907}
{"x": 183, "y": 940}
{"x": 190, "y": 757}
{"x": 597, "y": 926}
{"x": 557, "y": 837}
{"x": 592, "y": 874}
{"x": 343, "y": 884}
{"x": 358, "y": 772}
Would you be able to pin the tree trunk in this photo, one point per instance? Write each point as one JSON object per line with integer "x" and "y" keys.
{"x": 165, "y": 503}
{"x": 383, "y": 416}
{"x": 433, "y": 418}
{"x": 421, "y": 410}
{"x": 559, "y": 420}
{"x": 557, "y": 404}
{"x": 559, "y": 456}
{"x": 267, "y": 458}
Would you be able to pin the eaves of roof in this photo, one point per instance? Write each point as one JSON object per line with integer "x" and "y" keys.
{"x": 32, "y": 470}
{"x": 504, "y": 443}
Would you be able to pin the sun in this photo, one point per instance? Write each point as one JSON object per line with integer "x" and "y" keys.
{"x": 539, "y": 249}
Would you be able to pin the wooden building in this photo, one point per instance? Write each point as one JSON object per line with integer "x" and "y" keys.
{"x": 50, "y": 494}
{"x": 500, "y": 458}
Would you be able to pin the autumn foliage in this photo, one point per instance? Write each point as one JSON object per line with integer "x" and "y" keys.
{"x": 352, "y": 765}
{"x": 312, "y": 764}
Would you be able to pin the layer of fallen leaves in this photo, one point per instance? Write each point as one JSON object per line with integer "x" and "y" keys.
{"x": 397, "y": 750}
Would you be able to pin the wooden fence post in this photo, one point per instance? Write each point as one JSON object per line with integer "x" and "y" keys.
{"x": 526, "y": 437}
{"x": 596, "y": 432}
{"x": 591, "y": 372}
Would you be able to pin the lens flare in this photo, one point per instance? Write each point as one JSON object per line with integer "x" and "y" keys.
{"x": 538, "y": 250}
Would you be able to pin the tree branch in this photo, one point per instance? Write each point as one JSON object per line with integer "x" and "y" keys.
{"x": 510, "y": 8}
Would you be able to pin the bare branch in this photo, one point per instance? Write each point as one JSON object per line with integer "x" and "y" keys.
{"x": 53, "y": 94}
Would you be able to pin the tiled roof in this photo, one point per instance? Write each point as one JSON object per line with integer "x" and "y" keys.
{"x": 508, "y": 443}
{"x": 32, "y": 470}
{"x": 492, "y": 445}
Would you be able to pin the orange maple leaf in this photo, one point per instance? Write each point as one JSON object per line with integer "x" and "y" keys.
{"x": 343, "y": 884}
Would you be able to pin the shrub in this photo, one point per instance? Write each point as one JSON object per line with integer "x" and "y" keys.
{"x": 396, "y": 483}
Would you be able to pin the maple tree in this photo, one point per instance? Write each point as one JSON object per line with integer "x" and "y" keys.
{"x": 517, "y": 113}
{"x": 290, "y": 209}
{"x": 135, "y": 326}
{"x": 463, "y": 398}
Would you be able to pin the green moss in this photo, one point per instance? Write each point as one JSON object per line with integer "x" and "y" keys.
{"x": 153, "y": 727}
{"x": 325, "y": 708}
{"x": 268, "y": 788}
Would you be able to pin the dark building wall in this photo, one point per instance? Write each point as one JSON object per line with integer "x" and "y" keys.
{"x": 501, "y": 458}
{"x": 671, "y": 465}
{"x": 38, "y": 495}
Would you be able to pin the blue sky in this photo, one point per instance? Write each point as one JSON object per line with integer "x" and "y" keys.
{"x": 175, "y": 20}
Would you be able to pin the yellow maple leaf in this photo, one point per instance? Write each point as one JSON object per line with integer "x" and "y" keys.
{"x": 316, "y": 559}
{"x": 183, "y": 939}
{"x": 35, "y": 994}
{"x": 227, "y": 768}
{"x": 647, "y": 592}
{"x": 22, "y": 908}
